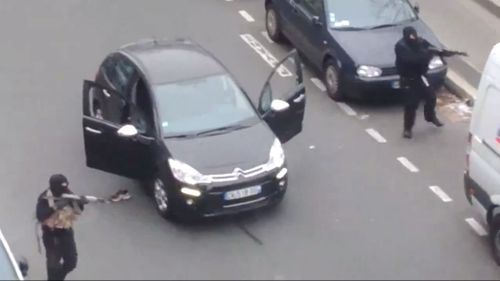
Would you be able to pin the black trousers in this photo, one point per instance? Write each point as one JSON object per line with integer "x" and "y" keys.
{"x": 415, "y": 91}
{"x": 60, "y": 248}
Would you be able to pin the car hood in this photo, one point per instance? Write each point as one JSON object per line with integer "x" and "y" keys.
{"x": 376, "y": 47}
{"x": 221, "y": 154}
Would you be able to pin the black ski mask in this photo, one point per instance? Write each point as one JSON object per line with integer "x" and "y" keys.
{"x": 410, "y": 36}
{"x": 58, "y": 185}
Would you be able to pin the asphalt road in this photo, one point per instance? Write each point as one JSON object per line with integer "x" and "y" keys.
{"x": 353, "y": 211}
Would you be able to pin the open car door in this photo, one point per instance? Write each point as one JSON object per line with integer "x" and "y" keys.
{"x": 110, "y": 145}
{"x": 283, "y": 98}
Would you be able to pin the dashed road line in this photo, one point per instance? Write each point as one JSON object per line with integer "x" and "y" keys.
{"x": 440, "y": 193}
{"x": 265, "y": 54}
{"x": 376, "y": 135}
{"x": 408, "y": 165}
{"x": 246, "y": 16}
{"x": 477, "y": 227}
{"x": 347, "y": 109}
{"x": 318, "y": 84}
{"x": 266, "y": 36}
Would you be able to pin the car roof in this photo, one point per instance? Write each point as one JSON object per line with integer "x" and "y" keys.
{"x": 164, "y": 61}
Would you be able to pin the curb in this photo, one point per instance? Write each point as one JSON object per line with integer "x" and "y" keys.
{"x": 459, "y": 86}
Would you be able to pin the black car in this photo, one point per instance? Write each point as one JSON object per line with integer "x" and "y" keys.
{"x": 351, "y": 42}
{"x": 170, "y": 114}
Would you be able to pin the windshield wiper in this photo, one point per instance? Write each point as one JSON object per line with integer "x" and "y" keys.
{"x": 180, "y": 136}
{"x": 383, "y": 26}
{"x": 221, "y": 130}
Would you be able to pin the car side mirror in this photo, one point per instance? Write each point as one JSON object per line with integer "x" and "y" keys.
{"x": 128, "y": 131}
{"x": 279, "y": 105}
{"x": 24, "y": 266}
{"x": 316, "y": 21}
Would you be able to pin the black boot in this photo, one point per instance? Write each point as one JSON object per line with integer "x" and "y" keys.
{"x": 407, "y": 134}
{"x": 436, "y": 122}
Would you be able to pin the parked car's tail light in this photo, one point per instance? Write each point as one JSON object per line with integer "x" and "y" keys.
{"x": 467, "y": 157}
{"x": 366, "y": 71}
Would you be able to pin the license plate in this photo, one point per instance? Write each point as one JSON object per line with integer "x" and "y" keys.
{"x": 242, "y": 193}
{"x": 396, "y": 85}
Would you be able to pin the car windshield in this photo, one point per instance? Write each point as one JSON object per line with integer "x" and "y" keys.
{"x": 7, "y": 271}
{"x": 366, "y": 14}
{"x": 203, "y": 104}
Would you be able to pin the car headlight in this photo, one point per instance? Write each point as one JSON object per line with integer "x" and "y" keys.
{"x": 366, "y": 71}
{"x": 276, "y": 156}
{"x": 436, "y": 62}
{"x": 186, "y": 174}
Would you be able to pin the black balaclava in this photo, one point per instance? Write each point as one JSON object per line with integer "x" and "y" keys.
{"x": 407, "y": 32}
{"x": 58, "y": 185}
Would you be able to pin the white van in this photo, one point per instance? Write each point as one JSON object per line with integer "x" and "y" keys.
{"x": 482, "y": 175}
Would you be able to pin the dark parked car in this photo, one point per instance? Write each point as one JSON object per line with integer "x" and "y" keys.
{"x": 9, "y": 268}
{"x": 170, "y": 114}
{"x": 351, "y": 42}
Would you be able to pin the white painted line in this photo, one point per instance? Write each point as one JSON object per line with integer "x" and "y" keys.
{"x": 246, "y": 16}
{"x": 265, "y": 35}
{"x": 347, "y": 109}
{"x": 312, "y": 147}
{"x": 265, "y": 54}
{"x": 441, "y": 194}
{"x": 477, "y": 227}
{"x": 376, "y": 135}
{"x": 318, "y": 84}
{"x": 405, "y": 162}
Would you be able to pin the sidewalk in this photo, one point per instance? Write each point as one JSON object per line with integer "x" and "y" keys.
{"x": 471, "y": 26}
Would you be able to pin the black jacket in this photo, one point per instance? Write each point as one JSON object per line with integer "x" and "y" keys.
{"x": 412, "y": 61}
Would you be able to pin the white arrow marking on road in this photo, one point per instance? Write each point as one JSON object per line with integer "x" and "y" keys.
{"x": 376, "y": 135}
{"x": 409, "y": 165}
{"x": 477, "y": 227}
{"x": 246, "y": 16}
{"x": 347, "y": 109}
{"x": 441, "y": 194}
{"x": 318, "y": 84}
{"x": 265, "y": 54}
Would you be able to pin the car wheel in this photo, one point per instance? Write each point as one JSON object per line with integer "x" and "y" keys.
{"x": 273, "y": 26}
{"x": 495, "y": 240}
{"x": 163, "y": 201}
{"x": 332, "y": 81}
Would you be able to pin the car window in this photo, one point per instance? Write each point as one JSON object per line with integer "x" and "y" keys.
{"x": 368, "y": 13}
{"x": 314, "y": 7}
{"x": 202, "y": 104}
{"x": 141, "y": 113}
{"x": 119, "y": 72}
{"x": 107, "y": 105}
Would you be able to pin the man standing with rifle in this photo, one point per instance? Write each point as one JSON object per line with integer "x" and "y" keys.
{"x": 413, "y": 55}
{"x": 57, "y": 209}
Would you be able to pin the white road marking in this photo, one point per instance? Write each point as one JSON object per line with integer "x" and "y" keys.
{"x": 246, "y": 16}
{"x": 441, "y": 194}
{"x": 265, "y": 54}
{"x": 265, "y": 35}
{"x": 405, "y": 162}
{"x": 477, "y": 227}
{"x": 364, "y": 117}
{"x": 376, "y": 135}
{"x": 312, "y": 147}
{"x": 318, "y": 84}
{"x": 347, "y": 109}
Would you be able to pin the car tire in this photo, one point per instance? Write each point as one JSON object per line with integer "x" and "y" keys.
{"x": 273, "y": 25}
{"x": 495, "y": 240}
{"x": 162, "y": 198}
{"x": 332, "y": 81}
